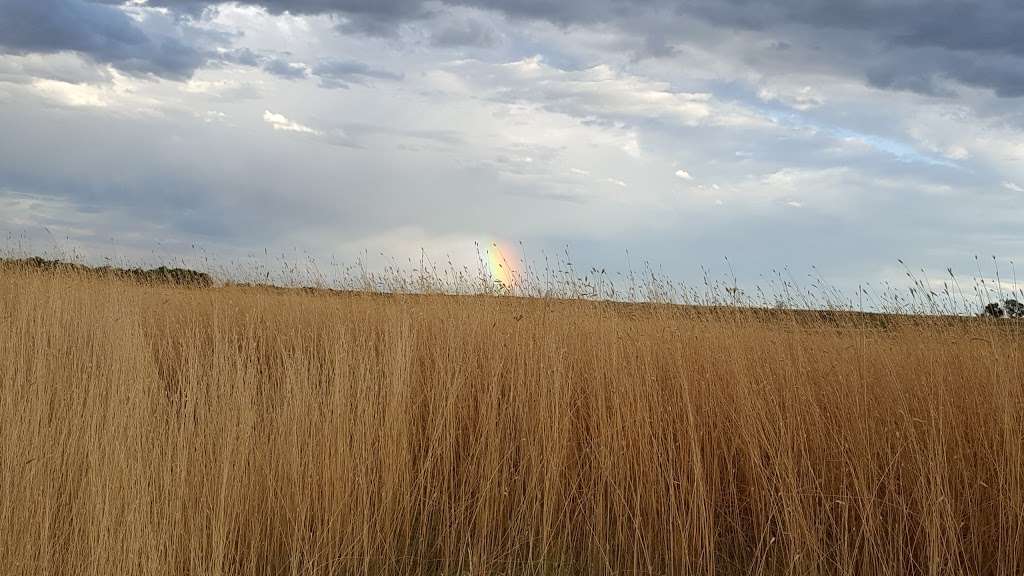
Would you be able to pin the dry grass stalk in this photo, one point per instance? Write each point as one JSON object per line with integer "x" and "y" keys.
{"x": 168, "y": 430}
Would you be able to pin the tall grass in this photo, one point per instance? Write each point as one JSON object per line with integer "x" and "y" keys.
{"x": 149, "y": 429}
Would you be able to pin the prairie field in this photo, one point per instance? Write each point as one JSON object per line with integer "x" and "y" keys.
{"x": 152, "y": 429}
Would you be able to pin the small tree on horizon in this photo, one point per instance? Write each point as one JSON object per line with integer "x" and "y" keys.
{"x": 1013, "y": 308}
{"x": 994, "y": 310}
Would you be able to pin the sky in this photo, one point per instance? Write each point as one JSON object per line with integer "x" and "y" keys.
{"x": 778, "y": 134}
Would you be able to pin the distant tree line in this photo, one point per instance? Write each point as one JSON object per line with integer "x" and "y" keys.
{"x": 161, "y": 275}
{"x": 1009, "y": 308}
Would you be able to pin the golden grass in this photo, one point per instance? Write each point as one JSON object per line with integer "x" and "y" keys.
{"x": 162, "y": 430}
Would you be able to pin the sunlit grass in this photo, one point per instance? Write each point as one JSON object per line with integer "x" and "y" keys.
{"x": 423, "y": 425}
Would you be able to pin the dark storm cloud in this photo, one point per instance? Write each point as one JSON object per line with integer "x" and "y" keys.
{"x": 917, "y": 45}
{"x": 989, "y": 25}
{"x": 922, "y": 42}
{"x": 99, "y": 31}
{"x": 924, "y": 71}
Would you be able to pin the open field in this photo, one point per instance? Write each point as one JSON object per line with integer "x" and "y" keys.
{"x": 156, "y": 429}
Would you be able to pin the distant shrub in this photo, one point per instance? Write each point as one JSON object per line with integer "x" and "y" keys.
{"x": 993, "y": 310}
{"x": 1013, "y": 308}
{"x": 1009, "y": 308}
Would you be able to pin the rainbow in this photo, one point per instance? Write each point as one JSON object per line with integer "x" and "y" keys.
{"x": 501, "y": 262}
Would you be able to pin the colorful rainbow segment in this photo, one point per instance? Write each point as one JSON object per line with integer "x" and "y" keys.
{"x": 501, "y": 262}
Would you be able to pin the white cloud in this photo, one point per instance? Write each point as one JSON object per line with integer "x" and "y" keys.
{"x": 616, "y": 182}
{"x": 211, "y": 116}
{"x": 684, "y": 175}
{"x": 801, "y": 98}
{"x": 63, "y": 66}
{"x": 280, "y": 122}
{"x": 1013, "y": 187}
{"x": 602, "y": 91}
{"x": 831, "y": 187}
{"x": 83, "y": 95}
{"x": 227, "y": 85}
{"x": 957, "y": 153}
{"x": 123, "y": 95}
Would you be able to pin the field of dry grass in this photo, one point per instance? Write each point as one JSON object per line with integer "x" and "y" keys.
{"x": 214, "y": 431}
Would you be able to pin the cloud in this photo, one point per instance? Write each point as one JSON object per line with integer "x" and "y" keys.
{"x": 916, "y": 45}
{"x": 922, "y": 46}
{"x": 370, "y": 17}
{"x": 683, "y": 174}
{"x": 924, "y": 42}
{"x": 602, "y": 93}
{"x": 802, "y": 98}
{"x": 104, "y": 33}
{"x": 284, "y": 69}
{"x": 331, "y": 72}
{"x": 223, "y": 89}
{"x": 1013, "y": 187}
{"x": 332, "y": 136}
{"x": 377, "y": 16}
{"x": 62, "y": 67}
{"x": 390, "y": 9}
{"x": 991, "y": 26}
{"x": 935, "y": 71}
{"x": 465, "y": 32}
{"x": 72, "y": 94}
{"x": 114, "y": 94}
{"x": 335, "y": 73}
{"x": 280, "y": 122}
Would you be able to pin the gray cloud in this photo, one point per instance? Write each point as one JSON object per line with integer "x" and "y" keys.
{"x": 981, "y": 43}
{"x": 373, "y": 17}
{"x": 378, "y": 15}
{"x": 282, "y": 68}
{"x": 929, "y": 71}
{"x": 101, "y": 32}
{"x": 331, "y": 72}
{"x": 923, "y": 43}
{"x": 335, "y": 73}
{"x": 976, "y": 44}
{"x": 992, "y": 25}
{"x": 465, "y": 32}
{"x": 393, "y": 9}
{"x": 243, "y": 56}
